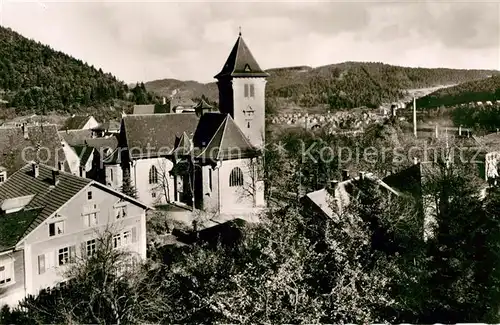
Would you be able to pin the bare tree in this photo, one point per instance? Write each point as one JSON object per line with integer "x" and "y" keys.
{"x": 107, "y": 285}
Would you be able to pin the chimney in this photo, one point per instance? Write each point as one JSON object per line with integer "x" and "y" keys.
{"x": 25, "y": 131}
{"x": 437, "y": 132}
{"x": 393, "y": 110}
{"x": 55, "y": 177}
{"x": 333, "y": 184}
{"x": 460, "y": 131}
{"x": 83, "y": 173}
{"x": 361, "y": 175}
{"x": 415, "y": 160}
{"x": 414, "y": 117}
{"x": 164, "y": 101}
{"x": 35, "y": 169}
{"x": 345, "y": 175}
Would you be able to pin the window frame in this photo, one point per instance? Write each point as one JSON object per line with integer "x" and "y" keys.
{"x": 92, "y": 244}
{"x": 7, "y": 275}
{"x": 236, "y": 177}
{"x": 153, "y": 175}
{"x": 55, "y": 228}
{"x": 67, "y": 256}
{"x": 87, "y": 219}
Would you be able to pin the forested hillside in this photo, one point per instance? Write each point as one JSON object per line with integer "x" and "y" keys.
{"x": 34, "y": 76}
{"x": 343, "y": 85}
{"x": 472, "y": 91}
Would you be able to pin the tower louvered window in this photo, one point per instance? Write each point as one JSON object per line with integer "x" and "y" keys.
{"x": 153, "y": 175}
{"x": 236, "y": 177}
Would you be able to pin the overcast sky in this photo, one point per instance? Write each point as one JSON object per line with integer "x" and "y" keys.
{"x": 155, "y": 40}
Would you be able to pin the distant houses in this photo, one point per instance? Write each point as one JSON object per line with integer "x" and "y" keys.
{"x": 179, "y": 104}
{"x": 80, "y": 122}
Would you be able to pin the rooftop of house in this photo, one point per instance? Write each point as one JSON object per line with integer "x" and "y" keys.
{"x": 177, "y": 101}
{"x": 156, "y": 134}
{"x": 144, "y": 109}
{"x": 75, "y": 137}
{"x": 84, "y": 153}
{"x": 47, "y": 197}
{"x": 151, "y": 109}
{"x": 76, "y": 122}
{"x": 44, "y": 198}
{"x": 109, "y": 126}
{"x": 227, "y": 142}
{"x": 489, "y": 142}
{"x": 332, "y": 201}
{"x": 203, "y": 105}
{"x": 19, "y": 145}
{"x": 241, "y": 63}
{"x": 102, "y": 144}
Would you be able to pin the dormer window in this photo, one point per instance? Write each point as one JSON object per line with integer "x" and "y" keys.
{"x": 3, "y": 177}
{"x": 247, "y": 68}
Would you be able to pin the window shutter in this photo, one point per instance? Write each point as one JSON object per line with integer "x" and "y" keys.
{"x": 134, "y": 235}
{"x": 41, "y": 264}
{"x": 72, "y": 253}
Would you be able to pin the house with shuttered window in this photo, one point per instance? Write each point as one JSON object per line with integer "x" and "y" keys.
{"x": 48, "y": 217}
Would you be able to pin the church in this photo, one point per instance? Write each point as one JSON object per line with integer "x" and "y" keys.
{"x": 210, "y": 161}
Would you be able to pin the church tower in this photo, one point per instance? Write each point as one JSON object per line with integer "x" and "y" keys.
{"x": 242, "y": 88}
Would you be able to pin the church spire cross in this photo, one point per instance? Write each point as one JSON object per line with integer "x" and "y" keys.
{"x": 239, "y": 31}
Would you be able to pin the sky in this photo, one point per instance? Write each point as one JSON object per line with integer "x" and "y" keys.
{"x": 149, "y": 40}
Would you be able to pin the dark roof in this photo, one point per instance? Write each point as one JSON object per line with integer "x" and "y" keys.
{"x": 103, "y": 143}
{"x": 75, "y": 137}
{"x": 47, "y": 198}
{"x": 408, "y": 180}
{"x": 13, "y": 143}
{"x": 14, "y": 225}
{"x": 208, "y": 125}
{"x": 156, "y": 131}
{"x": 75, "y": 122}
{"x": 183, "y": 146}
{"x": 202, "y": 104}
{"x": 332, "y": 201}
{"x": 228, "y": 142}
{"x": 113, "y": 158}
{"x": 241, "y": 63}
{"x": 181, "y": 101}
{"x": 108, "y": 126}
{"x": 84, "y": 153}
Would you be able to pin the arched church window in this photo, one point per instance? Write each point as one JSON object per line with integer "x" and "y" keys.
{"x": 236, "y": 177}
{"x": 252, "y": 91}
{"x": 153, "y": 175}
{"x": 111, "y": 174}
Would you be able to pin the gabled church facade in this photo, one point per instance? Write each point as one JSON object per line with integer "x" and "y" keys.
{"x": 211, "y": 162}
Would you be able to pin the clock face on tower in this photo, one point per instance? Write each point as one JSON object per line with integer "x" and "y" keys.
{"x": 249, "y": 112}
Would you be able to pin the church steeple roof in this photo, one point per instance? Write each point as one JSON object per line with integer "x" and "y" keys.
{"x": 241, "y": 62}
